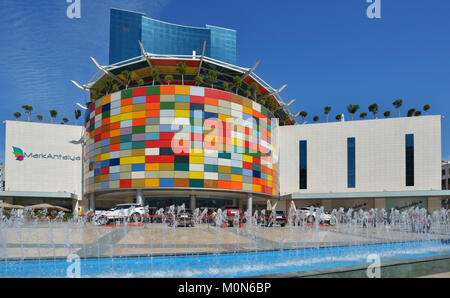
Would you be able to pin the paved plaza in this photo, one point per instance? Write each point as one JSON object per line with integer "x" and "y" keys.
{"x": 58, "y": 240}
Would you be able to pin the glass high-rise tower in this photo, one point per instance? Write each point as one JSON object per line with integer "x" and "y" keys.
{"x": 159, "y": 37}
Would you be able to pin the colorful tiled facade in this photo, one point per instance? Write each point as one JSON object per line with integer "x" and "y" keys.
{"x": 180, "y": 137}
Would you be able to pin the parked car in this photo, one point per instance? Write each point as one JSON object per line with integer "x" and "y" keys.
{"x": 311, "y": 217}
{"x": 230, "y": 213}
{"x": 185, "y": 219}
{"x": 280, "y": 219}
{"x": 121, "y": 212}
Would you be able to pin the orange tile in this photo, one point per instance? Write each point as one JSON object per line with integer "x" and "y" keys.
{"x": 167, "y": 89}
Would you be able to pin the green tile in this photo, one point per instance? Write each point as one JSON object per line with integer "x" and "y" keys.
{"x": 167, "y": 105}
{"x": 106, "y": 114}
{"x": 181, "y": 167}
{"x": 125, "y": 138}
{"x": 127, "y": 93}
{"x": 196, "y": 183}
{"x": 138, "y": 145}
{"x": 138, "y": 129}
{"x": 153, "y": 90}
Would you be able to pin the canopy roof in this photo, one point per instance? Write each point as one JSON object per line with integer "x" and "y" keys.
{"x": 141, "y": 67}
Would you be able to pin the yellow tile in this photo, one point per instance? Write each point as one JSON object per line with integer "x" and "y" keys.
{"x": 114, "y": 133}
{"x": 256, "y": 188}
{"x": 196, "y": 159}
{"x": 247, "y": 110}
{"x": 182, "y": 113}
{"x": 139, "y": 115}
{"x": 125, "y": 160}
{"x": 196, "y": 175}
{"x": 104, "y": 156}
{"x": 115, "y": 118}
{"x": 247, "y": 158}
{"x": 269, "y": 177}
{"x": 151, "y": 182}
{"x": 126, "y": 116}
{"x": 237, "y": 178}
{"x": 106, "y": 99}
{"x": 137, "y": 159}
{"x": 126, "y": 109}
{"x": 152, "y": 166}
{"x": 182, "y": 90}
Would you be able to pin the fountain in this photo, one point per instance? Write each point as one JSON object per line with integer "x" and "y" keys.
{"x": 34, "y": 245}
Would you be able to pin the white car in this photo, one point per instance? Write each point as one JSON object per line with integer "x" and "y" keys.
{"x": 311, "y": 217}
{"x": 130, "y": 212}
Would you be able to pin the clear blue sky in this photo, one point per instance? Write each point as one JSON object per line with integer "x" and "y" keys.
{"x": 328, "y": 52}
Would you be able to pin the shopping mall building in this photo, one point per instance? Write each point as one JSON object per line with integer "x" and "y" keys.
{"x": 159, "y": 141}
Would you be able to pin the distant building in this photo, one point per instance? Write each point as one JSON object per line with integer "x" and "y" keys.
{"x": 2, "y": 177}
{"x": 160, "y": 37}
{"x": 445, "y": 175}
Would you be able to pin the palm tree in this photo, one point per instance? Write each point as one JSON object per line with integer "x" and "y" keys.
{"x": 316, "y": 118}
{"x": 28, "y": 109}
{"x": 127, "y": 77}
{"x": 426, "y": 108}
{"x": 181, "y": 69}
{"x": 199, "y": 80}
{"x": 352, "y": 109}
{"x": 211, "y": 77}
{"x": 226, "y": 86}
{"x": 65, "y": 120}
{"x": 40, "y": 117}
{"x": 108, "y": 85}
{"x": 155, "y": 75}
{"x": 417, "y": 113}
{"x": 140, "y": 82}
{"x": 247, "y": 93}
{"x": 237, "y": 83}
{"x": 303, "y": 114}
{"x": 115, "y": 88}
{"x": 17, "y": 115}
{"x": 254, "y": 89}
{"x": 327, "y": 111}
{"x": 53, "y": 114}
{"x": 363, "y": 115}
{"x": 339, "y": 117}
{"x": 168, "y": 78}
{"x": 411, "y": 112}
{"x": 387, "y": 114}
{"x": 373, "y": 108}
{"x": 77, "y": 115}
{"x": 397, "y": 104}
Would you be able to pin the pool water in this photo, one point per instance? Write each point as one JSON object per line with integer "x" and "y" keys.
{"x": 225, "y": 265}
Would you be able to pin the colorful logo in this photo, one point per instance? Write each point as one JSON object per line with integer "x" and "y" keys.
{"x": 18, "y": 153}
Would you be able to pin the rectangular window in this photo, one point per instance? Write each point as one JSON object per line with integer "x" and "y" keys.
{"x": 351, "y": 163}
{"x": 443, "y": 172}
{"x": 409, "y": 153}
{"x": 303, "y": 164}
{"x": 444, "y": 186}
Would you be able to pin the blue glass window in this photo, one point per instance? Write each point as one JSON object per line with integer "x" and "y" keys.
{"x": 351, "y": 163}
{"x": 409, "y": 152}
{"x": 303, "y": 164}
